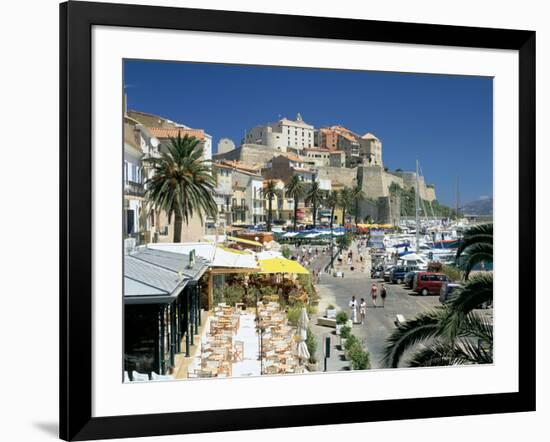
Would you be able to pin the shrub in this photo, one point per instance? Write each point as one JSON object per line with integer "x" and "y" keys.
{"x": 341, "y": 317}
{"x": 453, "y": 273}
{"x": 293, "y": 315}
{"x": 352, "y": 342}
{"x": 311, "y": 343}
{"x": 434, "y": 266}
{"x": 285, "y": 250}
{"x": 344, "y": 241}
{"x": 331, "y": 307}
{"x": 233, "y": 294}
{"x": 359, "y": 359}
{"x": 306, "y": 282}
{"x": 345, "y": 332}
{"x": 311, "y": 309}
{"x": 267, "y": 290}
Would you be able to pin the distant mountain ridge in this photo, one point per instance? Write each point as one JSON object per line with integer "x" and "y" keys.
{"x": 482, "y": 206}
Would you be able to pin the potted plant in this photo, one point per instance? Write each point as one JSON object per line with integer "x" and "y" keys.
{"x": 359, "y": 359}
{"x": 311, "y": 343}
{"x": 331, "y": 311}
{"x": 341, "y": 320}
{"x": 351, "y": 343}
{"x": 345, "y": 333}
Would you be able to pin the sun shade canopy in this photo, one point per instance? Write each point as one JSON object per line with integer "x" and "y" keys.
{"x": 281, "y": 265}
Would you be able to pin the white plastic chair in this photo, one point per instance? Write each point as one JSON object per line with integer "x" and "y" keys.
{"x": 160, "y": 377}
{"x": 139, "y": 377}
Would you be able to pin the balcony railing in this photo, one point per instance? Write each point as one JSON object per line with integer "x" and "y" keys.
{"x": 134, "y": 189}
{"x": 223, "y": 190}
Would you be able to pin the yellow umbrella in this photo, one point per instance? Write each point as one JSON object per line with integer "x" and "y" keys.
{"x": 281, "y": 265}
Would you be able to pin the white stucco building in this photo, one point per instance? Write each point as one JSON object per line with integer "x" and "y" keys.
{"x": 283, "y": 134}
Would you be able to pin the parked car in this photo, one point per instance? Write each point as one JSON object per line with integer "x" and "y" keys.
{"x": 409, "y": 279}
{"x": 397, "y": 274}
{"x": 446, "y": 292}
{"x": 429, "y": 283}
{"x": 387, "y": 272}
{"x": 377, "y": 272}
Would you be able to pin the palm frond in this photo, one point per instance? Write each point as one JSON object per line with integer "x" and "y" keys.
{"x": 442, "y": 353}
{"x": 482, "y": 233}
{"x": 423, "y": 327}
{"x": 475, "y": 254}
{"x": 477, "y": 291}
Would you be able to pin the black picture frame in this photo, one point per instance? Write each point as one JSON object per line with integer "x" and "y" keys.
{"x": 76, "y": 21}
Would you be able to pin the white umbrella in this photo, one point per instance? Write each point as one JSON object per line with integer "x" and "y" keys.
{"x": 303, "y": 352}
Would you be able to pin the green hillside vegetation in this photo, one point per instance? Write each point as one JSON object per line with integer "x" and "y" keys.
{"x": 408, "y": 204}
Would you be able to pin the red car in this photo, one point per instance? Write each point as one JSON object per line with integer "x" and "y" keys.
{"x": 428, "y": 283}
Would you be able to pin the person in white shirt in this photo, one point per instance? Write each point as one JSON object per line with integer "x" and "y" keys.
{"x": 353, "y": 307}
{"x": 363, "y": 310}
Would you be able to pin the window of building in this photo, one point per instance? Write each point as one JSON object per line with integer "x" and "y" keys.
{"x": 130, "y": 226}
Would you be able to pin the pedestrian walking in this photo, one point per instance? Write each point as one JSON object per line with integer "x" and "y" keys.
{"x": 363, "y": 310}
{"x": 353, "y": 309}
{"x": 374, "y": 293}
{"x": 383, "y": 294}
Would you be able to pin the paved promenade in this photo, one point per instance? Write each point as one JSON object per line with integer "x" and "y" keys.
{"x": 379, "y": 322}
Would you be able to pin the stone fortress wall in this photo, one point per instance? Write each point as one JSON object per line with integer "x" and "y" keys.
{"x": 250, "y": 154}
{"x": 342, "y": 175}
{"x": 374, "y": 180}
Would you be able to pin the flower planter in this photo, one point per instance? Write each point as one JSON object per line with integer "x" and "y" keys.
{"x": 342, "y": 343}
{"x": 312, "y": 366}
{"x": 349, "y": 323}
{"x": 331, "y": 313}
{"x": 338, "y": 328}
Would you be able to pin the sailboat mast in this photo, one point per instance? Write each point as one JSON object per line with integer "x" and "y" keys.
{"x": 417, "y": 200}
{"x": 457, "y": 199}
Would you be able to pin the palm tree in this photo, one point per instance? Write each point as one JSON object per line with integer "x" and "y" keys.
{"x": 476, "y": 246}
{"x": 346, "y": 200}
{"x": 181, "y": 183}
{"x": 332, "y": 201}
{"x": 449, "y": 333}
{"x": 357, "y": 195}
{"x": 295, "y": 189}
{"x": 269, "y": 192}
{"x": 315, "y": 196}
{"x": 444, "y": 340}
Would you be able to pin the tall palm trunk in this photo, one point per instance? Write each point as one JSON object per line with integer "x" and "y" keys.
{"x": 356, "y": 212}
{"x": 314, "y": 214}
{"x": 332, "y": 210}
{"x": 295, "y": 214}
{"x": 178, "y": 223}
{"x": 269, "y": 214}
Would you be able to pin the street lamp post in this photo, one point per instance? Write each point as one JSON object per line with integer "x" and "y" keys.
{"x": 260, "y": 332}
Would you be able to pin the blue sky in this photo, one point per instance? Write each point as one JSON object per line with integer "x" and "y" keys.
{"x": 443, "y": 121}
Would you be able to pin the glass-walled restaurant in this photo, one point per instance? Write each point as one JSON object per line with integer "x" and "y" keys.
{"x": 162, "y": 308}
